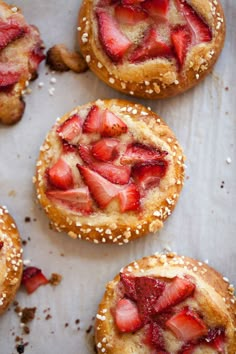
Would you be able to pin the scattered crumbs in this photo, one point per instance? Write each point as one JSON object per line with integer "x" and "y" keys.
{"x": 29, "y": 239}
{"x": 27, "y": 219}
{"x": 226, "y": 88}
{"x": 77, "y": 321}
{"x": 26, "y": 330}
{"x": 24, "y": 242}
{"x": 20, "y": 348}
{"x": 228, "y": 160}
{"x": 187, "y": 177}
{"x": 48, "y": 317}
{"x": 66, "y": 324}
{"x": 40, "y": 84}
{"x": 12, "y": 193}
{"x": 222, "y": 184}
{"x": 28, "y": 314}
{"x": 62, "y": 255}
{"x": 55, "y": 279}
{"x": 89, "y": 329}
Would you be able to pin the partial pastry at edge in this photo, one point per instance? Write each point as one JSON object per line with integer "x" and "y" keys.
{"x": 167, "y": 304}
{"x": 109, "y": 171}
{"x": 21, "y": 51}
{"x": 11, "y": 264}
{"x": 151, "y": 48}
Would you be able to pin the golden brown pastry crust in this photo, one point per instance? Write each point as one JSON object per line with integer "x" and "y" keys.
{"x": 214, "y": 295}
{"x": 120, "y": 228}
{"x": 17, "y": 54}
{"x": 157, "y": 78}
{"x": 11, "y": 264}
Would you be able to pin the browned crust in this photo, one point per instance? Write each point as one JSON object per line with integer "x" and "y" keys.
{"x": 122, "y": 233}
{"x": 207, "y": 280}
{"x": 11, "y": 253}
{"x": 156, "y": 88}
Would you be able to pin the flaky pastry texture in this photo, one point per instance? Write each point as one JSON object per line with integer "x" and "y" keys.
{"x": 157, "y": 76}
{"x": 10, "y": 259}
{"x": 109, "y": 224}
{"x": 213, "y": 300}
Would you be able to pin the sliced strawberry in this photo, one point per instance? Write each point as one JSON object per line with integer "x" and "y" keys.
{"x": 8, "y": 78}
{"x": 112, "y": 125}
{"x": 114, "y": 173}
{"x": 151, "y": 47}
{"x": 138, "y": 153}
{"x": 114, "y": 42}
{"x": 60, "y": 175}
{"x": 187, "y": 349}
{"x": 187, "y": 325}
{"x": 129, "y": 15}
{"x": 77, "y": 199}
{"x": 92, "y": 123}
{"x": 71, "y": 129}
{"x": 154, "y": 338}
{"x": 216, "y": 339}
{"x": 129, "y": 198}
{"x": 181, "y": 39}
{"x": 148, "y": 175}
{"x": 36, "y": 56}
{"x": 105, "y": 149}
{"x": 127, "y": 317}
{"x": 200, "y": 29}
{"x": 129, "y": 286}
{"x": 33, "y": 278}
{"x": 10, "y": 30}
{"x": 68, "y": 147}
{"x": 156, "y": 8}
{"x": 175, "y": 292}
{"x": 148, "y": 291}
{"x": 101, "y": 189}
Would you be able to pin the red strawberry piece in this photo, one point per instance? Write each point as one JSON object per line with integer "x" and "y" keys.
{"x": 60, "y": 175}
{"x": 154, "y": 338}
{"x": 114, "y": 42}
{"x": 148, "y": 175}
{"x": 36, "y": 56}
{"x": 68, "y": 147}
{"x": 114, "y": 173}
{"x": 199, "y": 28}
{"x": 148, "y": 290}
{"x": 156, "y": 8}
{"x": 92, "y": 123}
{"x": 112, "y": 125}
{"x": 129, "y": 286}
{"x": 137, "y": 153}
{"x": 187, "y": 325}
{"x": 175, "y": 292}
{"x": 33, "y": 278}
{"x": 187, "y": 349}
{"x": 85, "y": 154}
{"x": 151, "y": 47}
{"x": 129, "y": 198}
{"x": 10, "y": 30}
{"x": 71, "y": 129}
{"x": 181, "y": 39}
{"x": 129, "y": 15}
{"x": 105, "y": 149}
{"x": 77, "y": 199}
{"x": 101, "y": 189}
{"x": 216, "y": 339}
{"x": 127, "y": 317}
{"x": 8, "y": 78}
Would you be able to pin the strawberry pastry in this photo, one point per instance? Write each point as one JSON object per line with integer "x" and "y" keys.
{"x": 167, "y": 304}
{"x": 21, "y": 51}
{"x": 109, "y": 171}
{"x": 151, "y": 48}
{"x": 10, "y": 259}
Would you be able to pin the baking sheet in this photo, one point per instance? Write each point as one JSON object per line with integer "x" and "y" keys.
{"x": 202, "y": 226}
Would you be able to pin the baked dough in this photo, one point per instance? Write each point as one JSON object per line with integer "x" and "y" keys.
{"x": 10, "y": 259}
{"x": 157, "y": 55}
{"x": 211, "y": 302}
{"x": 125, "y": 205}
{"x": 21, "y": 51}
